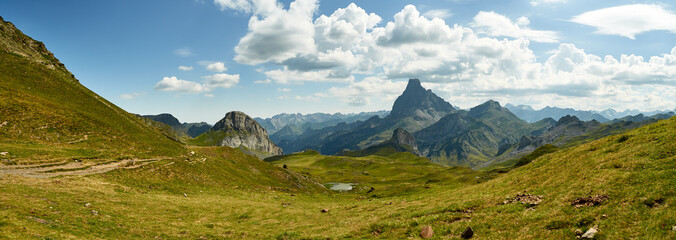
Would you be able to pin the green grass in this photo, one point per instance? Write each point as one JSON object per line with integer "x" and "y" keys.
{"x": 226, "y": 198}
{"x": 49, "y": 113}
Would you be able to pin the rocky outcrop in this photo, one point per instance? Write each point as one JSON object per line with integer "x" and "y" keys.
{"x": 416, "y": 100}
{"x": 240, "y": 130}
{"x": 404, "y": 140}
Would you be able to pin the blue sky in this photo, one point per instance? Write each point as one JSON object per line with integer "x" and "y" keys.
{"x": 200, "y": 59}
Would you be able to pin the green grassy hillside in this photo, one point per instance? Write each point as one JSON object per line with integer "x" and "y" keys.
{"x": 47, "y": 115}
{"x": 634, "y": 170}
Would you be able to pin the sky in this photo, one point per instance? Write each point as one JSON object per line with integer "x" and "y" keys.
{"x": 199, "y": 59}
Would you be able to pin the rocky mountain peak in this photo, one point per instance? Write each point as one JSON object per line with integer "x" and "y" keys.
{"x": 568, "y": 119}
{"x": 165, "y": 118}
{"x": 403, "y": 139}
{"x": 415, "y": 97}
{"x": 243, "y": 131}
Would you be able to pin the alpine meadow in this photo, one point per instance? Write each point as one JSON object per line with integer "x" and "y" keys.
{"x": 308, "y": 119}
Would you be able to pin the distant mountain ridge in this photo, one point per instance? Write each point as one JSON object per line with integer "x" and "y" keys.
{"x": 531, "y": 115}
{"x": 189, "y": 129}
{"x": 414, "y": 109}
{"x": 313, "y": 120}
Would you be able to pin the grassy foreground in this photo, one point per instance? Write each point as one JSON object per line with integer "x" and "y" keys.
{"x": 191, "y": 198}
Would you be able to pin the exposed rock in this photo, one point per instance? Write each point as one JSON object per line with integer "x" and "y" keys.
{"x": 468, "y": 233}
{"x": 591, "y": 232}
{"x": 243, "y": 131}
{"x": 325, "y": 210}
{"x": 4, "y": 153}
{"x": 578, "y": 233}
{"x": 403, "y": 139}
{"x": 371, "y": 190}
{"x": 87, "y": 204}
{"x": 524, "y": 142}
{"x": 427, "y": 232}
{"x": 673, "y": 228}
{"x": 525, "y": 198}
{"x": 94, "y": 212}
{"x": 415, "y": 97}
{"x": 589, "y": 200}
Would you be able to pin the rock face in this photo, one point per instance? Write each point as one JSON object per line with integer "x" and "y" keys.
{"x": 403, "y": 139}
{"x": 416, "y": 98}
{"x": 243, "y": 131}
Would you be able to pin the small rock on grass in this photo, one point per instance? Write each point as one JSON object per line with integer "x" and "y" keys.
{"x": 673, "y": 228}
{"x": 94, "y": 212}
{"x": 468, "y": 233}
{"x": 578, "y": 232}
{"x": 591, "y": 232}
{"x": 325, "y": 210}
{"x": 88, "y": 205}
{"x": 427, "y": 232}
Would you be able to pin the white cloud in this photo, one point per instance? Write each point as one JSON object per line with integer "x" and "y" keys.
{"x": 466, "y": 65}
{"x": 438, "y": 13}
{"x": 184, "y": 52}
{"x": 629, "y": 20}
{"x": 276, "y": 34}
{"x": 237, "y": 5}
{"x": 130, "y": 96}
{"x": 495, "y": 25}
{"x": 266, "y": 81}
{"x": 221, "y": 80}
{"x": 185, "y": 68}
{"x": 538, "y": 2}
{"x": 217, "y": 67}
{"x": 173, "y": 84}
{"x": 284, "y": 89}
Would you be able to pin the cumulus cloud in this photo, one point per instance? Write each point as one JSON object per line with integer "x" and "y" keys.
{"x": 276, "y": 34}
{"x": 237, "y": 5}
{"x": 495, "y": 25}
{"x": 173, "y": 84}
{"x": 217, "y": 67}
{"x": 184, "y": 52}
{"x": 465, "y": 64}
{"x": 438, "y": 13}
{"x": 185, "y": 68}
{"x": 629, "y": 20}
{"x": 221, "y": 80}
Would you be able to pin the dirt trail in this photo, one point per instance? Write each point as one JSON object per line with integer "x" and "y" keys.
{"x": 72, "y": 168}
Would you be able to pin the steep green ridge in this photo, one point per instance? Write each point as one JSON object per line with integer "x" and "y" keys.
{"x": 187, "y": 129}
{"x": 47, "y": 115}
{"x": 471, "y": 138}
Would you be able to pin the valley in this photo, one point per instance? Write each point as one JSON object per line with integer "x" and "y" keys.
{"x": 73, "y": 165}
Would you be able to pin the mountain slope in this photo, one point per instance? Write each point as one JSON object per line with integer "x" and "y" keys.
{"x": 415, "y": 109}
{"x": 531, "y": 115}
{"x": 313, "y": 121}
{"x": 470, "y": 138}
{"x": 238, "y": 130}
{"x": 47, "y": 115}
{"x": 189, "y": 129}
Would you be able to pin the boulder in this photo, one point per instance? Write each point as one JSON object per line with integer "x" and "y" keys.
{"x": 591, "y": 232}
{"x": 427, "y": 232}
{"x": 468, "y": 233}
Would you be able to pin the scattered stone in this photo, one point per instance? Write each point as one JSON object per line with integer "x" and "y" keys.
{"x": 604, "y": 216}
{"x": 285, "y": 204}
{"x": 371, "y": 190}
{"x": 673, "y": 228}
{"x": 284, "y": 166}
{"x": 3, "y": 123}
{"x": 191, "y": 153}
{"x": 39, "y": 220}
{"x": 325, "y": 210}
{"x": 591, "y": 232}
{"x": 185, "y": 195}
{"x": 427, "y": 232}
{"x": 94, "y": 212}
{"x": 578, "y": 233}
{"x": 589, "y": 201}
{"x": 88, "y": 205}
{"x": 468, "y": 233}
{"x": 525, "y": 198}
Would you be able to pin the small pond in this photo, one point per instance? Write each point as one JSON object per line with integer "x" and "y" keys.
{"x": 338, "y": 186}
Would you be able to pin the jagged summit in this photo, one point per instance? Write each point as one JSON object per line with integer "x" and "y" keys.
{"x": 567, "y": 120}
{"x": 415, "y": 97}
{"x": 243, "y": 131}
